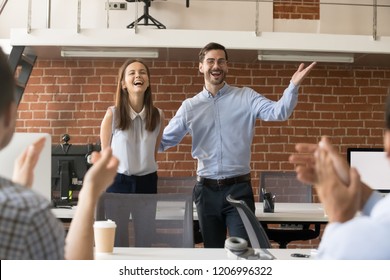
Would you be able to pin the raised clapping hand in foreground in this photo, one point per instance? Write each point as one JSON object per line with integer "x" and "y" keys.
{"x": 101, "y": 174}
{"x": 305, "y": 161}
{"x": 339, "y": 188}
{"x": 80, "y": 241}
{"x": 25, "y": 164}
{"x": 341, "y": 201}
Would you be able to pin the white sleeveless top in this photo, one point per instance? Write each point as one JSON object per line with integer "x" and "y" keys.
{"x": 134, "y": 147}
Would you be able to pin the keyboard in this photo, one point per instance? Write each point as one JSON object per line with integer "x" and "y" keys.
{"x": 63, "y": 203}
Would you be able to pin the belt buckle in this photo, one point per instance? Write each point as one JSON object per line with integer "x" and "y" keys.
{"x": 220, "y": 182}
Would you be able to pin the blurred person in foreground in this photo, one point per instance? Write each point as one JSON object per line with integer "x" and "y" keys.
{"x": 28, "y": 228}
{"x": 359, "y": 217}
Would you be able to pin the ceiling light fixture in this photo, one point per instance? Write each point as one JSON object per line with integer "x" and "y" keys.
{"x": 110, "y": 53}
{"x": 309, "y": 57}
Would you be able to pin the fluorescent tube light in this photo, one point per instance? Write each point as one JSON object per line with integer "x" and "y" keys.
{"x": 340, "y": 58}
{"x": 111, "y": 53}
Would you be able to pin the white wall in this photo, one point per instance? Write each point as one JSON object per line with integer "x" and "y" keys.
{"x": 354, "y": 20}
{"x": 201, "y": 15}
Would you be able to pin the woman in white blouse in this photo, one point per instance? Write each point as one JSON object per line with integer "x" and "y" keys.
{"x": 133, "y": 128}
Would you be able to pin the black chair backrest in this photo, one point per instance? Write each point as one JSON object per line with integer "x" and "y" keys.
{"x": 183, "y": 184}
{"x": 285, "y": 186}
{"x": 149, "y": 220}
{"x": 257, "y": 236}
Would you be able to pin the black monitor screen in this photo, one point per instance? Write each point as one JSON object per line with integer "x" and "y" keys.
{"x": 69, "y": 163}
{"x": 373, "y": 166}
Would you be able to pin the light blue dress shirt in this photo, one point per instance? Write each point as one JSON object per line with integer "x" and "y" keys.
{"x": 367, "y": 236}
{"x": 222, "y": 127}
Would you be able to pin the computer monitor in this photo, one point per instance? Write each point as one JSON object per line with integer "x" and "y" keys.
{"x": 373, "y": 166}
{"x": 69, "y": 163}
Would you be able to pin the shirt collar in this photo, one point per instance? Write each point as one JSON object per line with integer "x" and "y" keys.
{"x": 134, "y": 114}
{"x": 219, "y": 93}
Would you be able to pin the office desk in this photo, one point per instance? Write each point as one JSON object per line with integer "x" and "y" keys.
{"x": 64, "y": 213}
{"x": 165, "y": 211}
{"x": 284, "y": 212}
{"x": 292, "y": 213}
{"x": 136, "y": 253}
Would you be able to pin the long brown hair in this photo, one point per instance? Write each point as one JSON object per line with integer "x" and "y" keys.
{"x": 123, "y": 120}
{"x": 387, "y": 111}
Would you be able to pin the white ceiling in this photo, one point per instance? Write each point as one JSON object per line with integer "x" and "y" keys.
{"x": 184, "y": 45}
{"x": 189, "y": 29}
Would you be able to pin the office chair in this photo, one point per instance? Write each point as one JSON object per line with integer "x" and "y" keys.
{"x": 287, "y": 188}
{"x": 257, "y": 236}
{"x": 181, "y": 184}
{"x": 146, "y": 16}
{"x": 149, "y": 220}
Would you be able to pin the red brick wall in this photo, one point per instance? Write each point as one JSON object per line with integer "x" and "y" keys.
{"x": 296, "y": 9}
{"x": 342, "y": 101}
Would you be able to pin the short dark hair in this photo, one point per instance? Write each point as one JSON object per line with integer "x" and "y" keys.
{"x": 209, "y": 47}
{"x": 7, "y": 83}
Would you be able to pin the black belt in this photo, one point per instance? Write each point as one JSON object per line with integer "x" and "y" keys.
{"x": 224, "y": 182}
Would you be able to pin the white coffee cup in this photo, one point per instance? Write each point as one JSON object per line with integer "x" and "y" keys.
{"x": 104, "y": 232}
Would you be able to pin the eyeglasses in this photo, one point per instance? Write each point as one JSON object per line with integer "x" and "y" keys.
{"x": 211, "y": 61}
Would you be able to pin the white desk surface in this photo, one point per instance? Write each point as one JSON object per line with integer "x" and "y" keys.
{"x": 293, "y": 212}
{"x": 284, "y": 212}
{"x": 64, "y": 213}
{"x": 137, "y": 253}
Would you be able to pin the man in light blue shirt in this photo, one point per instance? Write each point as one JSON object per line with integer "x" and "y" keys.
{"x": 349, "y": 234}
{"x": 221, "y": 121}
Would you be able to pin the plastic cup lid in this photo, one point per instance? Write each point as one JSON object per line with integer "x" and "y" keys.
{"x": 104, "y": 224}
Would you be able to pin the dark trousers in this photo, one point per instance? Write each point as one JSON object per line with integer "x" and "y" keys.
{"x": 216, "y": 216}
{"x": 143, "y": 217}
{"x": 134, "y": 184}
